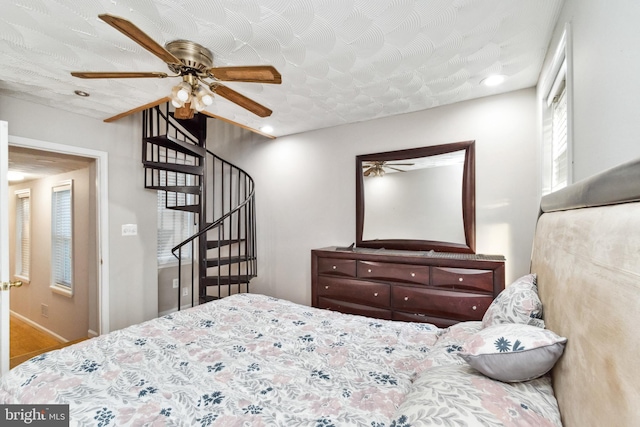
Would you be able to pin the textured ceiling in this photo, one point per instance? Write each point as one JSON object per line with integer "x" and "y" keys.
{"x": 341, "y": 61}
{"x": 35, "y": 164}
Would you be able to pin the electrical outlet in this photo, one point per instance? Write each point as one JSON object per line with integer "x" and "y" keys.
{"x": 175, "y": 283}
{"x": 44, "y": 310}
{"x": 185, "y": 292}
{"x": 129, "y": 229}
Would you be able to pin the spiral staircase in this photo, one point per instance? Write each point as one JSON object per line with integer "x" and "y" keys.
{"x": 219, "y": 259}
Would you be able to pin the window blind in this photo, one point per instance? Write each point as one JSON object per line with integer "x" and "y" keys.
{"x": 559, "y": 170}
{"x": 62, "y": 235}
{"x": 23, "y": 238}
{"x": 174, "y": 226}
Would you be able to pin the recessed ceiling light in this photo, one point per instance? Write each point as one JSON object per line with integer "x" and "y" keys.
{"x": 266, "y": 129}
{"x": 81, "y": 93}
{"x": 494, "y": 80}
{"x": 15, "y": 176}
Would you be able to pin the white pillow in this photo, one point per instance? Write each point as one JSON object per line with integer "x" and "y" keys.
{"x": 513, "y": 352}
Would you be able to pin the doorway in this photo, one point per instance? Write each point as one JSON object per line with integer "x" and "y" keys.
{"x": 43, "y": 156}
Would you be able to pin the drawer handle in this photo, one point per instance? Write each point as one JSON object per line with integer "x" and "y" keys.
{"x": 375, "y": 294}
{"x": 369, "y": 271}
{"x": 474, "y": 307}
{"x": 406, "y": 298}
{"x": 326, "y": 287}
{"x": 334, "y": 267}
{"x": 413, "y": 274}
{"x": 460, "y": 279}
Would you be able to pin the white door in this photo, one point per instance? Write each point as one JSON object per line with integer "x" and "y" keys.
{"x": 4, "y": 247}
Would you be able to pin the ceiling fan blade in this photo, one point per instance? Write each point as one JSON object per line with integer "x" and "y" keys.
{"x": 116, "y": 75}
{"x": 251, "y": 74}
{"x": 395, "y": 169}
{"x": 137, "y": 35}
{"x": 135, "y": 110}
{"x": 241, "y": 100}
{"x": 399, "y": 164}
{"x": 368, "y": 172}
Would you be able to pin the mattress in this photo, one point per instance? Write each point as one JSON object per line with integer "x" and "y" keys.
{"x": 245, "y": 360}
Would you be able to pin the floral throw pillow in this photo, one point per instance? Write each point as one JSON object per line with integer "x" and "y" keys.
{"x": 513, "y": 352}
{"x": 457, "y": 395}
{"x": 517, "y": 303}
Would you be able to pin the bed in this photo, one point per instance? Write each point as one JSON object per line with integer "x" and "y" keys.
{"x": 557, "y": 347}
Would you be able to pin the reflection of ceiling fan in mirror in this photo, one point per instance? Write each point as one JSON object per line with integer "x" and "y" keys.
{"x": 378, "y": 168}
{"x": 194, "y": 64}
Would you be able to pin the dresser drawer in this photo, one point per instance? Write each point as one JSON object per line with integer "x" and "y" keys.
{"x": 351, "y": 308}
{"x": 358, "y": 291}
{"x": 406, "y": 273}
{"x": 440, "y": 303}
{"x": 462, "y": 278}
{"x": 337, "y": 267}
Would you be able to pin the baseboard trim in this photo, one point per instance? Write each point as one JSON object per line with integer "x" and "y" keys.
{"x": 39, "y": 327}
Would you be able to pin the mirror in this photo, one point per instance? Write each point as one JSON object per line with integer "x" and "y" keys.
{"x": 417, "y": 199}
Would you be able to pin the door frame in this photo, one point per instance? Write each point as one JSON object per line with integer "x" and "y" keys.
{"x": 4, "y": 248}
{"x": 102, "y": 210}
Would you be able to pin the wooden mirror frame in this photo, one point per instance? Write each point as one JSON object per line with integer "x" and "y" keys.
{"x": 468, "y": 199}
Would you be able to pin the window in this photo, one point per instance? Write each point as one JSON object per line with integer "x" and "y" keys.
{"x": 23, "y": 237}
{"x": 174, "y": 226}
{"x": 559, "y": 168}
{"x": 556, "y": 115}
{"x": 62, "y": 238}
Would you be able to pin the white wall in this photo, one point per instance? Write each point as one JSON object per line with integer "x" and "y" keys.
{"x": 305, "y": 183}
{"x": 133, "y": 291}
{"x": 606, "y": 62}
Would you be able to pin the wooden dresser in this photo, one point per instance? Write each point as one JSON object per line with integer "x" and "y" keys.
{"x": 435, "y": 287}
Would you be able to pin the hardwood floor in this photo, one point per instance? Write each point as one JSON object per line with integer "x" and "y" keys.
{"x": 28, "y": 342}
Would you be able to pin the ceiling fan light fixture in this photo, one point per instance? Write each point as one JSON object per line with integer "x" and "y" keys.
{"x": 378, "y": 171}
{"x": 197, "y": 104}
{"x": 203, "y": 96}
{"x": 183, "y": 91}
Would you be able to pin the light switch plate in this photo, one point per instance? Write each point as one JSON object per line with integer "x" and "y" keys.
{"x": 129, "y": 229}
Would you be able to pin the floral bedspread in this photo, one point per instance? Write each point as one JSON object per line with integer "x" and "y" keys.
{"x": 244, "y": 360}
{"x": 253, "y": 360}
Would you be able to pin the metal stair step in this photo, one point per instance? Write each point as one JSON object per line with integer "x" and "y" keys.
{"x": 178, "y": 145}
{"x": 213, "y": 244}
{"x": 174, "y": 167}
{"x": 186, "y": 208}
{"x": 188, "y": 189}
{"x": 226, "y": 260}
{"x": 227, "y": 280}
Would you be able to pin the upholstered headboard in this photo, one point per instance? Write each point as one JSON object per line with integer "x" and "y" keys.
{"x": 587, "y": 257}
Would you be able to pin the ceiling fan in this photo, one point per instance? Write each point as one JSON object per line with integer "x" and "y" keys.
{"x": 376, "y": 168}
{"x": 194, "y": 64}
